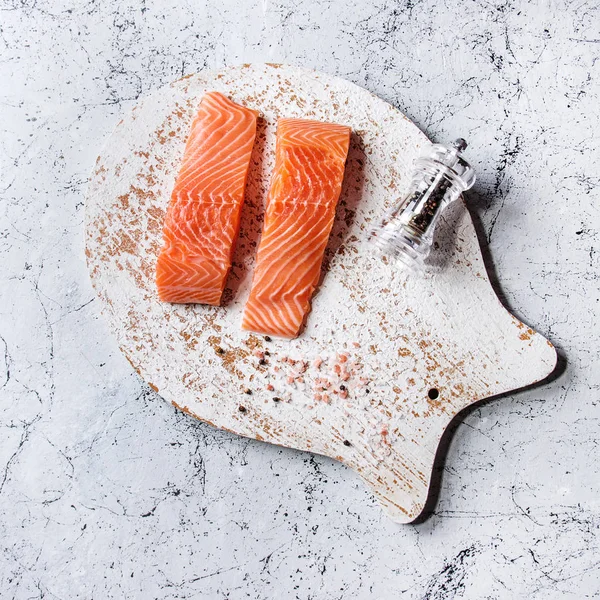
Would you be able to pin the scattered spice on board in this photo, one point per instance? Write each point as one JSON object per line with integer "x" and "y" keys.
{"x": 321, "y": 378}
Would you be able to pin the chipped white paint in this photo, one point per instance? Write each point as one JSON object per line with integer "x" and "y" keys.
{"x": 404, "y": 337}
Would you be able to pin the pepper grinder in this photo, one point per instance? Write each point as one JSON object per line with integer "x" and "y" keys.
{"x": 406, "y": 232}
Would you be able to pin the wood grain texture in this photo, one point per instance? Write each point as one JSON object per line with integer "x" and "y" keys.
{"x": 399, "y": 337}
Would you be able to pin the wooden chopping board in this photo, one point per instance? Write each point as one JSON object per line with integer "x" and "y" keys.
{"x": 404, "y": 354}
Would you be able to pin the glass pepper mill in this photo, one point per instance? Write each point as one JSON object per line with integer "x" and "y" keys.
{"x": 406, "y": 233}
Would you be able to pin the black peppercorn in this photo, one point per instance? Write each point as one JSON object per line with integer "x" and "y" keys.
{"x": 242, "y": 409}
{"x": 262, "y": 361}
{"x": 347, "y": 443}
{"x": 276, "y": 399}
{"x": 423, "y": 219}
{"x": 268, "y": 339}
{"x": 247, "y": 391}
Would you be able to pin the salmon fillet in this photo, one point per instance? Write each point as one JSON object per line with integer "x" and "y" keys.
{"x": 203, "y": 216}
{"x": 305, "y": 187}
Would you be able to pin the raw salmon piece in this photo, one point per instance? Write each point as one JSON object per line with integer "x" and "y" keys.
{"x": 305, "y": 187}
{"x": 203, "y": 217}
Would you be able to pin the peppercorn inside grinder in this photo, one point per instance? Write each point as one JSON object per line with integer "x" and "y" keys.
{"x": 406, "y": 232}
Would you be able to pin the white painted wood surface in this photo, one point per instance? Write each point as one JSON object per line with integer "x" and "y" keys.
{"x": 403, "y": 336}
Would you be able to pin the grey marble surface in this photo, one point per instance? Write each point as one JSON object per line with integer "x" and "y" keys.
{"x": 107, "y": 492}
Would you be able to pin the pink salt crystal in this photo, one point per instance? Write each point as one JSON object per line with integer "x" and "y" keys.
{"x": 343, "y": 394}
{"x": 290, "y": 379}
{"x": 345, "y": 376}
{"x": 270, "y": 388}
{"x": 300, "y": 379}
{"x": 317, "y": 396}
{"x": 276, "y": 369}
{"x": 256, "y": 352}
{"x": 356, "y": 344}
{"x": 317, "y": 362}
{"x": 337, "y": 369}
{"x": 342, "y": 357}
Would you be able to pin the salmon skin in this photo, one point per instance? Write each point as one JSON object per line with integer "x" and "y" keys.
{"x": 203, "y": 216}
{"x": 305, "y": 187}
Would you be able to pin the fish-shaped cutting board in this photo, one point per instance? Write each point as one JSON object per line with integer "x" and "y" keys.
{"x": 385, "y": 361}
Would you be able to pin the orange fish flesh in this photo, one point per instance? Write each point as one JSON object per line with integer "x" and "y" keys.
{"x": 307, "y": 180}
{"x": 202, "y": 220}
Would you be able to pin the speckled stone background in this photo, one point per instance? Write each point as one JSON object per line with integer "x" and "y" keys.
{"x": 108, "y": 492}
